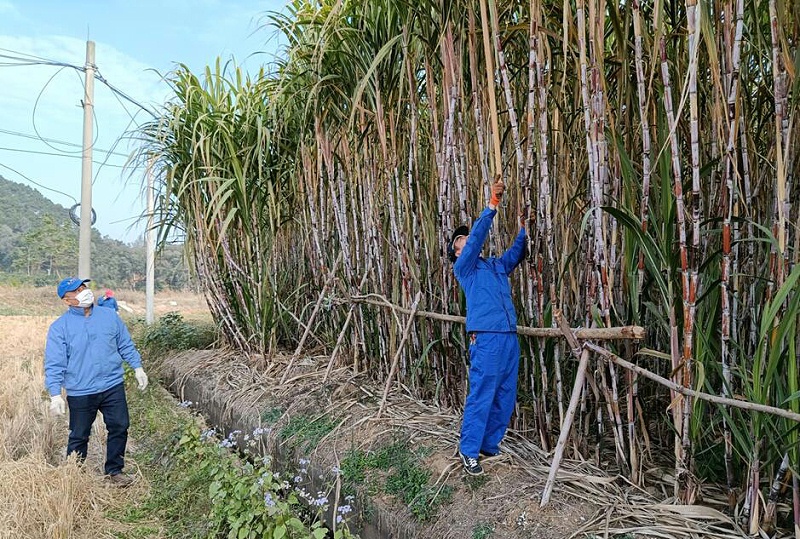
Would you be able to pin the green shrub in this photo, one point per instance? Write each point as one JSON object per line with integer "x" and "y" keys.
{"x": 306, "y": 432}
{"x": 407, "y": 479}
{"x": 482, "y": 530}
{"x": 172, "y": 332}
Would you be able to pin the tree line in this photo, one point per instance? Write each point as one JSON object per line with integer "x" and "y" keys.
{"x": 39, "y": 246}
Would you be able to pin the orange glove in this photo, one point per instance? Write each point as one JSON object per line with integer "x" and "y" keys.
{"x": 498, "y": 188}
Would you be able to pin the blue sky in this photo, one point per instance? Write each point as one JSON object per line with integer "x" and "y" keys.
{"x": 133, "y": 40}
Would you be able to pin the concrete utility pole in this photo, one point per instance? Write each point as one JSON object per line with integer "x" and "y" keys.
{"x": 149, "y": 243}
{"x": 85, "y": 236}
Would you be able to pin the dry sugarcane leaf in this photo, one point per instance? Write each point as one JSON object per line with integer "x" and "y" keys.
{"x": 676, "y": 403}
{"x": 694, "y": 511}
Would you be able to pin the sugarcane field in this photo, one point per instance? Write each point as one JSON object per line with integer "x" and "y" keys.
{"x": 450, "y": 269}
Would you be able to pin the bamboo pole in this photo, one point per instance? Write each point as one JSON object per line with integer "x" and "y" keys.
{"x": 345, "y": 327}
{"x": 393, "y": 369}
{"x": 311, "y": 318}
{"x": 600, "y": 334}
{"x": 743, "y": 405}
{"x": 489, "y": 58}
{"x": 574, "y": 400}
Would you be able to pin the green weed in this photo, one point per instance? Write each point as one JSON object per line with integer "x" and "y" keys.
{"x": 306, "y": 431}
{"x": 172, "y": 332}
{"x": 405, "y": 478}
{"x": 482, "y": 530}
{"x": 271, "y": 415}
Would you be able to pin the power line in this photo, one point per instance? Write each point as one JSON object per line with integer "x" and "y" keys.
{"x": 39, "y": 184}
{"x": 36, "y": 60}
{"x": 122, "y": 94}
{"x": 56, "y": 154}
{"x": 56, "y": 141}
{"x": 36, "y": 105}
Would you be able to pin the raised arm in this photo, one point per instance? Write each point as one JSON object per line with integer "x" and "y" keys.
{"x": 480, "y": 231}
{"x": 516, "y": 253}
{"x": 472, "y": 248}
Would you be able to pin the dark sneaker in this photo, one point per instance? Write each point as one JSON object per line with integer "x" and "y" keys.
{"x": 489, "y": 454}
{"x": 471, "y": 465}
{"x": 120, "y": 480}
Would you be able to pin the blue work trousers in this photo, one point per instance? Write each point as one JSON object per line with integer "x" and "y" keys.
{"x": 494, "y": 364}
{"x": 82, "y": 413}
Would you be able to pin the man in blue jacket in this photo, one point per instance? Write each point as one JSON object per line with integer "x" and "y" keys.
{"x": 108, "y": 300}
{"x": 492, "y": 329}
{"x": 84, "y": 354}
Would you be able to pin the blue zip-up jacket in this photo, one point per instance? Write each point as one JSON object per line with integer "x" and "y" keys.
{"x": 485, "y": 280}
{"x": 84, "y": 354}
{"x": 109, "y": 303}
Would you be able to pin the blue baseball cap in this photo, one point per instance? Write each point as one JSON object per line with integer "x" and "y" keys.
{"x": 69, "y": 284}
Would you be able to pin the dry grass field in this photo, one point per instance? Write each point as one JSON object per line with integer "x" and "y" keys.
{"x": 28, "y": 300}
{"x": 42, "y": 494}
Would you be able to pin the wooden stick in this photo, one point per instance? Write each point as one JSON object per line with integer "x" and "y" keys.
{"x": 396, "y": 360}
{"x": 344, "y": 330}
{"x": 744, "y": 405}
{"x": 489, "y": 58}
{"x": 600, "y": 334}
{"x": 566, "y": 427}
{"x": 311, "y": 318}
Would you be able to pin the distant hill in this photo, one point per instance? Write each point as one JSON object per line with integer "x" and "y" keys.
{"x": 39, "y": 245}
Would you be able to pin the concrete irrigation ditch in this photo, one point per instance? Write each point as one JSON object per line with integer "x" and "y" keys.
{"x": 223, "y": 407}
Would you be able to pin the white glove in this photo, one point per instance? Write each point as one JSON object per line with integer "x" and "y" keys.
{"x": 141, "y": 377}
{"x": 57, "y": 405}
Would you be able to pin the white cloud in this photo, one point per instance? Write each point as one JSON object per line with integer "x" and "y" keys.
{"x": 7, "y": 9}
{"x": 51, "y": 97}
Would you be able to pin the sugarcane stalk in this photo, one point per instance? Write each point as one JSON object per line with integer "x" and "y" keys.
{"x": 716, "y": 399}
{"x": 781, "y": 477}
{"x": 511, "y": 109}
{"x": 781, "y": 130}
{"x": 728, "y": 197}
{"x": 477, "y": 101}
{"x": 682, "y": 464}
{"x": 597, "y": 333}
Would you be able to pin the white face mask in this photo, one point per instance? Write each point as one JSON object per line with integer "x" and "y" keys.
{"x": 85, "y": 298}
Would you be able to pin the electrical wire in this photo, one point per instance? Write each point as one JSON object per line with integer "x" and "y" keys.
{"x": 122, "y": 94}
{"x": 39, "y": 184}
{"x": 55, "y": 154}
{"x": 36, "y": 105}
{"x": 65, "y": 143}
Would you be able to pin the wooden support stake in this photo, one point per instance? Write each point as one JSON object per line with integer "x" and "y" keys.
{"x": 600, "y": 334}
{"x": 577, "y": 388}
{"x": 744, "y": 405}
{"x": 344, "y": 330}
{"x": 488, "y": 54}
{"x": 328, "y": 281}
{"x": 396, "y": 360}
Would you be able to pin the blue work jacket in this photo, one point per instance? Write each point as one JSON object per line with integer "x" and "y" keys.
{"x": 84, "y": 354}
{"x": 485, "y": 280}
{"x": 109, "y": 303}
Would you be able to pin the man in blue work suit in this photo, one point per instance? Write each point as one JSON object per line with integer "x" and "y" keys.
{"x": 492, "y": 329}
{"x": 84, "y": 354}
{"x": 108, "y": 300}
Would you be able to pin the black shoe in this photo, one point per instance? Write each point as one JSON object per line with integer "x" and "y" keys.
{"x": 120, "y": 480}
{"x": 487, "y": 454}
{"x": 471, "y": 465}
